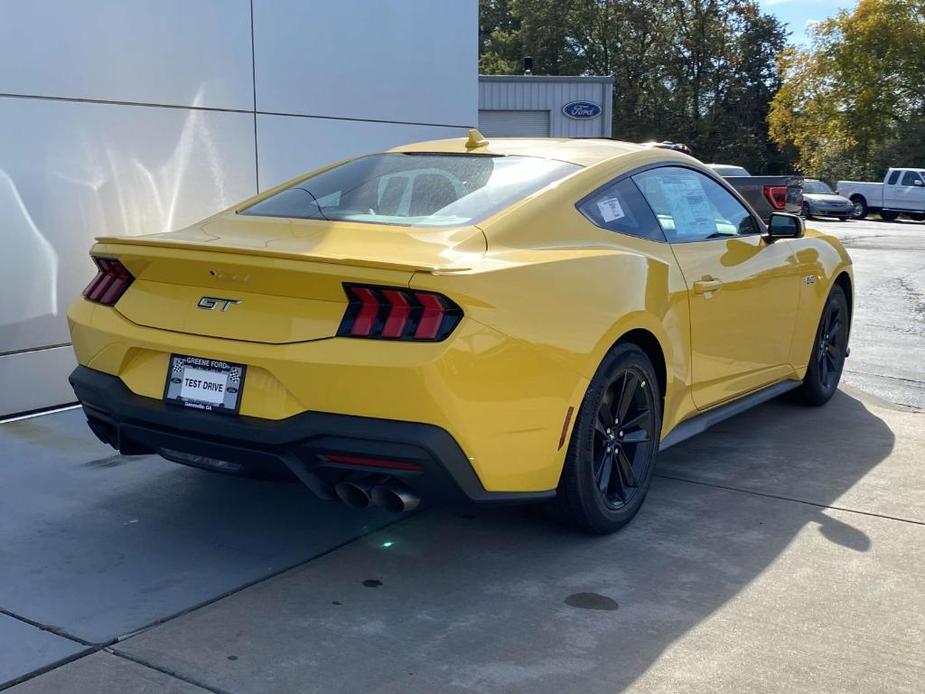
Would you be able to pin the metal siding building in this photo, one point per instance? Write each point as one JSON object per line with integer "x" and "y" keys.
{"x": 145, "y": 115}
{"x": 530, "y": 105}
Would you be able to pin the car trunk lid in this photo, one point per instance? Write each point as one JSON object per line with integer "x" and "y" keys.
{"x": 273, "y": 280}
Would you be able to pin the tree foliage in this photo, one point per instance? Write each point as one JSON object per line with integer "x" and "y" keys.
{"x": 854, "y": 103}
{"x": 702, "y": 72}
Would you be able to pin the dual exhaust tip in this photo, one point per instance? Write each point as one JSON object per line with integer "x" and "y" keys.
{"x": 365, "y": 492}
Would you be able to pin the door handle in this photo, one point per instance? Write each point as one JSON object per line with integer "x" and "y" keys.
{"x": 707, "y": 285}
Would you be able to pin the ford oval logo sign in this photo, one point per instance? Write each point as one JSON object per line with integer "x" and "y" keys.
{"x": 581, "y": 109}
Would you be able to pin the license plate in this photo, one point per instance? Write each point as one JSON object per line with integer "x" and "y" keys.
{"x": 204, "y": 384}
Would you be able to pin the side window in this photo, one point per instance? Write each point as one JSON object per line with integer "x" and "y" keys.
{"x": 910, "y": 177}
{"x": 620, "y": 207}
{"x": 692, "y": 207}
{"x": 893, "y": 178}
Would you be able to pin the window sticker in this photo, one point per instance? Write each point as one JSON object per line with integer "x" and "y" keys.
{"x": 691, "y": 211}
{"x": 610, "y": 209}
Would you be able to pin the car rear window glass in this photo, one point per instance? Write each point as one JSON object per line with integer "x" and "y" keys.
{"x": 693, "y": 207}
{"x": 620, "y": 207}
{"x": 414, "y": 189}
{"x": 893, "y": 178}
{"x": 816, "y": 188}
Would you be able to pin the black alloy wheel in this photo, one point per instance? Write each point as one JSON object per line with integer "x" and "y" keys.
{"x": 613, "y": 447}
{"x": 622, "y": 438}
{"x": 829, "y": 350}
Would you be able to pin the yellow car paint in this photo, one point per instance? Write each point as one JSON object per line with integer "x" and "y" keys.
{"x": 545, "y": 294}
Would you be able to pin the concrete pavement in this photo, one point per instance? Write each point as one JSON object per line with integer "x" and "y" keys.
{"x": 784, "y": 550}
{"x": 764, "y": 559}
{"x": 888, "y": 341}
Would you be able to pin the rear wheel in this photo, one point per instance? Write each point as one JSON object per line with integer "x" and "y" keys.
{"x": 888, "y": 216}
{"x": 860, "y": 207}
{"x": 829, "y": 351}
{"x": 612, "y": 451}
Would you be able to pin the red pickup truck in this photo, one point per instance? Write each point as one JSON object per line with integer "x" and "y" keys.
{"x": 766, "y": 194}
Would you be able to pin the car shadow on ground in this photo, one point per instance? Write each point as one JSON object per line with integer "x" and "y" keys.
{"x": 504, "y": 599}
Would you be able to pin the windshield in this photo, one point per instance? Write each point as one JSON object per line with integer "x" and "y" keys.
{"x": 412, "y": 189}
{"x": 817, "y": 187}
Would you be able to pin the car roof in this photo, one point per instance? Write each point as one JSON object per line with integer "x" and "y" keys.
{"x": 581, "y": 151}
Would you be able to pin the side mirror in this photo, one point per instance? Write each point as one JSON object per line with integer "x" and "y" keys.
{"x": 917, "y": 182}
{"x": 785, "y": 226}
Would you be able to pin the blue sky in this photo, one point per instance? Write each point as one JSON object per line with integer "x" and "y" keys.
{"x": 799, "y": 13}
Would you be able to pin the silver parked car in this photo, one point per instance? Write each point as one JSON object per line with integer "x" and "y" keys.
{"x": 821, "y": 201}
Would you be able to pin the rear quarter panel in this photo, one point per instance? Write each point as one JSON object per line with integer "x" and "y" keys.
{"x": 564, "y": 291}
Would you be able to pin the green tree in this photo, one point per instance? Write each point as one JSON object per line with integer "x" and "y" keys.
{"x": 854, "y": 103}
{"x": 696, "y": 71}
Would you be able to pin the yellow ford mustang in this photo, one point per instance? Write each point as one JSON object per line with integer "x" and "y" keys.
{"x": 520, "y": 319}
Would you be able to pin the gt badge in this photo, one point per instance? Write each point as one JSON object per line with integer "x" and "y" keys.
{"x": 210, "y": 303}
{"x": 810, "y": 279}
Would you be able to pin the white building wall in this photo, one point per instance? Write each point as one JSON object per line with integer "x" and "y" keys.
{"x": 140, "y": 116}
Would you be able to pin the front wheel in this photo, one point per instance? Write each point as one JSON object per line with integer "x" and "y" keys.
{"x": 611, "y": 455}
{"x": 860, "y": 207}
{"x": 917, "y": 217}
{"x": 806, "y": 213}
{"x": 829, "y": 351}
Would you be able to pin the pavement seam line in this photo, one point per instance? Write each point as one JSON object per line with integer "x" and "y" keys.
{"x": 168, "y": 672}
{"x": 49, "y": 667}
{"x": 51, "y": 629}
{"x": 227, "y": 594}
{"x": 787, "y": 498}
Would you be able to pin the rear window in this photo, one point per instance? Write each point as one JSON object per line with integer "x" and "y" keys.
{"x": 414, "y": 189}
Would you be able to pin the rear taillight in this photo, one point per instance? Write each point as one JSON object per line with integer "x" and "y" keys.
{"x": 110, "y": 283}
{"x": 777, "y": 196}
{"x": 390, "y": 313}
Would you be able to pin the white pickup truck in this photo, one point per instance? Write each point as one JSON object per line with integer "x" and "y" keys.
{"x": 902, "y": 192}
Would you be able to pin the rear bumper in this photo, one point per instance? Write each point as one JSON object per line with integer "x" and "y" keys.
{"x": 298, "y": 445}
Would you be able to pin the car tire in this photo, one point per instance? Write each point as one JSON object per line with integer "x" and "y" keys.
{"x": 830, "y": 348}
{"x": 888, "y": 216}
{"x": 842, "y": 218}
{"x": 860, "y": 207}
{"x": 608, "y": 468}
{"x": 917, "y": 217}
{"x": 805, "y": 212}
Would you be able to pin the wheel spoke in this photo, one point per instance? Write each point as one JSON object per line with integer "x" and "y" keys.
{"x": 627, "y": 478}
{"x": 606, "y": 471}
{"x": 630, "y": 383}
{"x": 834, "y": 329}
{"x": 604, "y": 419}
{"x": 831, "y": 351}
{"x": 636, "y": 436}
{"x": 635, "y": 421}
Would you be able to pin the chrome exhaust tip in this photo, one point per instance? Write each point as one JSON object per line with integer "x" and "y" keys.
{"x": 355, "y": 493}
{"x": 394, "y": 497}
